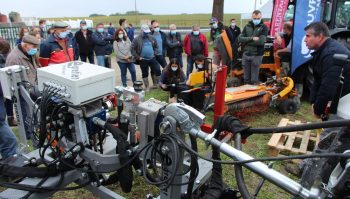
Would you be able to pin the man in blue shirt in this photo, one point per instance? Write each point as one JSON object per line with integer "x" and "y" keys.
{"x": 144, "y": 48}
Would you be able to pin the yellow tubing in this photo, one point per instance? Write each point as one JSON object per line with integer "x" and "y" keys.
{"x": 289, "y": 88}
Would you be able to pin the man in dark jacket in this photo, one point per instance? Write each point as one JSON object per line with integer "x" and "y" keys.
{"x": 84, "y": 40}
{"x": 144, "y": 48}
{"x": 326, "y": 72}
{"x": 103, "y": 46}
{"x": 174, "y": 44}
{"x": 252, "y": 39}
{"x": 235, "y": 32}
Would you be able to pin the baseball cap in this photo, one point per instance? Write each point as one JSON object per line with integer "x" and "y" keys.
{"x": 60, "y": 24}
{"x": 213, "y": 20}
{"x": 145, "y": 28}
{"x": 82, "y": 22}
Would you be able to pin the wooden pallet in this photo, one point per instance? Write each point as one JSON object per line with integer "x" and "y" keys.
{"x": 300, "y": 142}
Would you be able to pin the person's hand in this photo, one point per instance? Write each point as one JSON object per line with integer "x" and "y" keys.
{"x": 256, "y": 38}
{"x": 276, "y": 54}
{"x": 279, "y": 40}
{"x": 163, "y": 86}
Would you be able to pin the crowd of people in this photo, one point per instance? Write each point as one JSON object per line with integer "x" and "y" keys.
{"x": 153, "y": 47}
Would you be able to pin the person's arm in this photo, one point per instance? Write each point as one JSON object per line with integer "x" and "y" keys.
{"x": 243, "y": 38}
{"x": 98, "y": 40}
{"x": 44, "y": 55}
{"x": 134, "y": 46}
{"x": 185, "y": 42}
{"x": 171, "y": 43}
{"x": 261, "y": 39}
{"x": 162, "y": 80}
{"x": 205, "y": 46}
{"x": 329, "y": 84}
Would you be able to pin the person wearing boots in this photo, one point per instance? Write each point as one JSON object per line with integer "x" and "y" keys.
{"x": 173, "y": 80}
{"x": 144, "y": 49}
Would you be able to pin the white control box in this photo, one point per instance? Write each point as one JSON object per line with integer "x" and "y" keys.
{"x": 5, "y": 78}
{"x": 80, "y": 82}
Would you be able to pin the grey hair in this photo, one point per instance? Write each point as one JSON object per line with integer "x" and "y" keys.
{"x": 172, "y": 26}
{"x": 318, "y": 28}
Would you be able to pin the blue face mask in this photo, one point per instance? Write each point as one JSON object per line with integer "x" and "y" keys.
{"x": 215, "y": 25}
{"x": 62, "y": 35}
{"x": 196, "y": 32}
{"x": 84, "y": 27}
{"x": 32, "y": 51}
{"x": 157, "y": 29}
{"x": 100, "y": 30}
{"x": 256, "y": 21}
{"x": 173, "y": 32}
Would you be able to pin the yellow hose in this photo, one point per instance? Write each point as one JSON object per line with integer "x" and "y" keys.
{"x": 287, "y": 89}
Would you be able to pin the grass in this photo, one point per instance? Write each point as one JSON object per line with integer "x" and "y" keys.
{"x": 256, "y": 146}
{"x": 181, "y": 20}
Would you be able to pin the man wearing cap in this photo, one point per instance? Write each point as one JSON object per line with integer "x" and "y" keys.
{"x": 24, "y": 55}
{"x": 145, "y": 48}
{"x": 57, "y": 48}
{"x": 84, "y": 40}
{"x": 252, "y": 39}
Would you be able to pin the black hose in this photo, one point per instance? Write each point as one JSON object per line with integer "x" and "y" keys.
{"x": 239, "y": 171}
{"x": 193, "y": 167}
{"x": 301, "y": 127}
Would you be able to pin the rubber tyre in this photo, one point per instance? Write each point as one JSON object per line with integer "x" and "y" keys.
{"x": 288, "y": 106}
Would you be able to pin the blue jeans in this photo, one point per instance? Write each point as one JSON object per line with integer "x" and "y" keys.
{"x": 100, "y": 60}
{"x": 161, "y": 60}
{"x": 190, "y": 62}
{"x": 8, "y": 141}
{"x": 153, "y": 64}
{"x": 123, "y": 70}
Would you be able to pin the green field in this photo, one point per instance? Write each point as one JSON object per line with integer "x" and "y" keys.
{"x": 181, "y": 20}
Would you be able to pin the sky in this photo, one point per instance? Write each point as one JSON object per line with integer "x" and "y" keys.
{"x": 83, "y": 8}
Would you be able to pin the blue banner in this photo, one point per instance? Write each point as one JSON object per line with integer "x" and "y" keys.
{"x": 306, "y": 12}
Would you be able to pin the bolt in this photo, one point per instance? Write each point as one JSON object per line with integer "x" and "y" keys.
{"x": 198, "y": 181}
{"x": 165, "y": 150}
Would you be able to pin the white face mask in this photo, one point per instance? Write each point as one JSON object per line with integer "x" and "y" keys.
{"x": 174, "y": 68}
{"x": 233, "y": 24}
{"x": 200, "y": 66}
{"x": 120, "y": 36}
{"x": 25, "y": 33}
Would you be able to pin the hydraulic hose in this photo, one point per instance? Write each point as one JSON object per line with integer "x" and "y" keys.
{"x": 301, "y": 127}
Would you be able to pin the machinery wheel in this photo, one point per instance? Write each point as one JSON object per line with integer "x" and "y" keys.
{"x": 288, "y": 106}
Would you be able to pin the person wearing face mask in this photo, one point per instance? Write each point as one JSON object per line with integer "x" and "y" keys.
{"x": 235, "y": 31}
{"x": 174, "y": 44}
{"x": 195, "y": 43}
{"x": 222, "y": 38}
{"x": 160, "y": 37}
{"x": 252, "y": 39}
{"x": 202, "y": 70}
{"x": 122, "y": 49}
{"x": 173, "y": 79}
{"x": 102, "y": 45}
{"x": 22, "y": 32}
{"x": 84, "y": 40}
{"x": 24, "y": 55}
{"x": 57, "y": 48}
{"x": 129, "y": 31}
{"x": 144, "y": 49}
